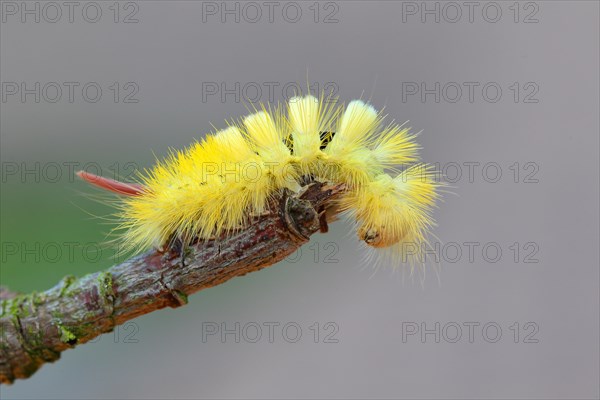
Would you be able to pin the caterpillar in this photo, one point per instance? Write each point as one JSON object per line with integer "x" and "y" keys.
{"x": 215, "y": 185}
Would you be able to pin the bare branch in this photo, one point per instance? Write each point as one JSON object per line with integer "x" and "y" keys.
{"x": 35, "y": 328}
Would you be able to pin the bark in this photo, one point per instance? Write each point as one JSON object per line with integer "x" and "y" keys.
{"x": 35, "y": 328}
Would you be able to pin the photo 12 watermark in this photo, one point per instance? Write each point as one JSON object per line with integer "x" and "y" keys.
{"x": 471, "y": 332}
{"x": 484, "y": 172}
{"x": 128, "y": 333}
{"x": 263, "y": 92}
{"x": 271, "y": 12}
{"x": 69, "y": 92}
{"x": 64, "y": 171}
{"x": 317, "y": 253}
{"x": 470, "y": 12}
{"x": 270, "y": 332}
{"x": 63, "y": 252}
{"x": 69, "y": 12}
{"x": 470, "y": 92}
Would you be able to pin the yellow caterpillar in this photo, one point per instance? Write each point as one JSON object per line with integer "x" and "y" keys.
{"x": 215, "y": 185}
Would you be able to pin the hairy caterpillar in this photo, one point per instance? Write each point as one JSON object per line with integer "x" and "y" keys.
{"x": 212, "y": 187}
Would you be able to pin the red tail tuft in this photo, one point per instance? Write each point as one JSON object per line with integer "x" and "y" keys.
{"x": 127, "y": 189}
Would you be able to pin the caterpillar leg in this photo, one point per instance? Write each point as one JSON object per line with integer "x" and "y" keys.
{"x": 174, "y": 247}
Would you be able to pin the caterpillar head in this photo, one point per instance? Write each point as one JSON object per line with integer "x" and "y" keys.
{"x": 390, "y": 211}
{"x": 378, "y": 236}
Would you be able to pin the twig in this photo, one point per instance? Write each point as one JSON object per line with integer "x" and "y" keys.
{"x": 35, "y": 328}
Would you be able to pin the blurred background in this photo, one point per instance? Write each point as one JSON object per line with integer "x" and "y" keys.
{"x": 506, "y": 94}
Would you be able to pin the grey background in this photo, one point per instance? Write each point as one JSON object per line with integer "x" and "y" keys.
{"x": 370, "y": 51}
